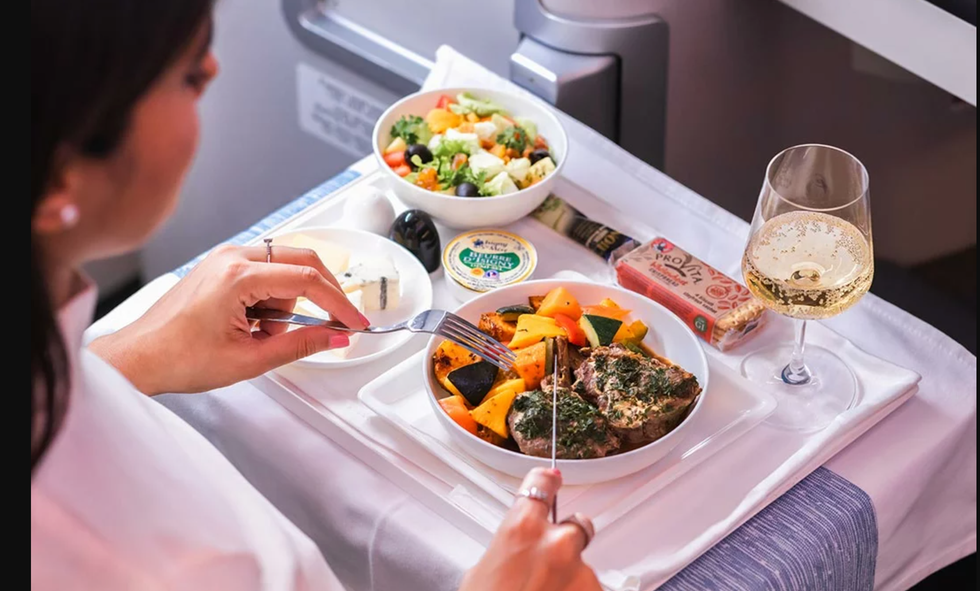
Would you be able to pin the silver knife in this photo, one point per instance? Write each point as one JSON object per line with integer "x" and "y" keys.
{"x": 554, "y": 427}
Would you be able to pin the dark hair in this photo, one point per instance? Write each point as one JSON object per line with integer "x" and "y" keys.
{"x": 92, "y": 60}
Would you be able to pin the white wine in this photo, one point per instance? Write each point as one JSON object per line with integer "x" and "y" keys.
{"x": 808, "y": 265}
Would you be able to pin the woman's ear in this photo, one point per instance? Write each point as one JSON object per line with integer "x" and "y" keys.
{"x": 56, "y": 213}
{"x": 58, "y": 210}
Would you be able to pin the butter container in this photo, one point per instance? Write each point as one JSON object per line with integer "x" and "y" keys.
{"x": 478, "y": 261}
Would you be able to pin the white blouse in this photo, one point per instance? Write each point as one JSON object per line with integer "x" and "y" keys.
{"x": 130, "y": 497}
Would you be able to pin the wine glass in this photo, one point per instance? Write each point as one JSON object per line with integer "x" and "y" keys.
{"x": 809, "y": 257}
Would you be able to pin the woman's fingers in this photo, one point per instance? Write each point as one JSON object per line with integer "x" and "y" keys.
{"x": 263, "y": 282}
{"x": 577, "y": 531}
{"x": 537, "y": 493}
{"x": 273, "y": 351}
{"x": 274, "y": 328}
{"x": 285, "y": 255}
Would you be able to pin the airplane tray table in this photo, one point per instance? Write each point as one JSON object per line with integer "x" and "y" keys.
{"x": 474, "y": 497}
{"x": 894, "y": 505}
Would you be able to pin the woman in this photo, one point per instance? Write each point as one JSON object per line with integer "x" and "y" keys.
{"x": 125, "y": 495}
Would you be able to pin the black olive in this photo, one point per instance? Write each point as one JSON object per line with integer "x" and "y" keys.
{"x": 415, "y": 231}
{"x": 417, "y": 150}
{"x": 467, "y": 190}
{"x": 539, "y": 154}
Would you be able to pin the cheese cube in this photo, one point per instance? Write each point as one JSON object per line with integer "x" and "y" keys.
{"x": 377, "y": 280}
{"x": 335, "y": 257}
{"x": 485, "y": 130}
{"x": 486, "y": 162}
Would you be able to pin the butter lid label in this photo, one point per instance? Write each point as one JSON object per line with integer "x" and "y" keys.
{"x": 486, "y": 259}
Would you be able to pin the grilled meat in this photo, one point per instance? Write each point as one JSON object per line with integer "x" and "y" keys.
{"x": 582, "y": 429}
{"x": 641, "y": 398}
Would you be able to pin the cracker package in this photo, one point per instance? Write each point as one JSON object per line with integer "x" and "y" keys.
{"x": 719, "y": 310}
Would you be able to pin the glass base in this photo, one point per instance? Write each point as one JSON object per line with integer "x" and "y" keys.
{"x": 805, "y": 407}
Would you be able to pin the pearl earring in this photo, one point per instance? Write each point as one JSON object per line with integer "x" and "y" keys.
{"x": 69, "y": 215}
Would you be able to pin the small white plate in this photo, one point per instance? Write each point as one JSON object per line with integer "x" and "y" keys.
{"x": 416, "y": 294}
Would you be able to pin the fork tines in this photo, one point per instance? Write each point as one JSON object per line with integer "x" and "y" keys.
{"x": 465, "y": 334}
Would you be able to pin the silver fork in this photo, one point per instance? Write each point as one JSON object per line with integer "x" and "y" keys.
{"x": 437, "y": 322}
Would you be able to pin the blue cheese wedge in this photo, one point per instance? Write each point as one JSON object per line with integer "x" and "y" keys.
{"x": 377, "y": 280}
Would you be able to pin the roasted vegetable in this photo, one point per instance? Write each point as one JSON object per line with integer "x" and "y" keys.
{"x": 532, "y": 329}
{"x": 489, "y": 436}
{"x": 448, "y": 357}
{"x": 606, "y": 311}
{"x": 473, "y": 381}
{"x": 572, "y": 330}
{"x": 599, "y": 330}
{"x": 457, "y": 411}
{"x": 535, "y": 302}
{"x": 639, "y": 329}
{"x": 508, "y": 384}
{"x": 531, "y": 364}
{"x": 496, "y": 326}
{"x": 560, "y": 301}
{"x": 631, "y": 333}
{"x": 512, "y": 313}
{"x": 492, "y": 414}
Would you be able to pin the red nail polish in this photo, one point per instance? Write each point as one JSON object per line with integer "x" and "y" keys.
{"x": 339, "y": 341}
{"x": 364, "y": 319}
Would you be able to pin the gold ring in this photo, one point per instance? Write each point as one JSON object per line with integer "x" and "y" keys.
{"x": 584, "y": 524}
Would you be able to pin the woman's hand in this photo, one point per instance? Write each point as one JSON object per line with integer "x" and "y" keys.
{"x": 529, "y": 553}
{"x": 197, "y": 338}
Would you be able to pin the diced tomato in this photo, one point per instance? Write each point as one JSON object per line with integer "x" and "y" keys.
{"x": 403, "y": 170}
{"x": 395, "y": 159}
{"x": 459, "y": 160}
{"x": 575, "y": 334}
{"x": 444, "y": 102}
{"x": 540, "y": 143}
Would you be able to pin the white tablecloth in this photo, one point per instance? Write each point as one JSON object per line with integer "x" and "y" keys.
{"x": 918, "y": 466}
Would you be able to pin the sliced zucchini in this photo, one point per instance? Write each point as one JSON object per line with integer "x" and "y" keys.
{"x": 599, "y": 330}
{"x": 512, "y": 313}
{"x": 474, "y": 381}
{"x": 549, "y": 356}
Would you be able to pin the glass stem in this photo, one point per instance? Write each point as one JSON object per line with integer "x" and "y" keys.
{"x": 796, "y": 372}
